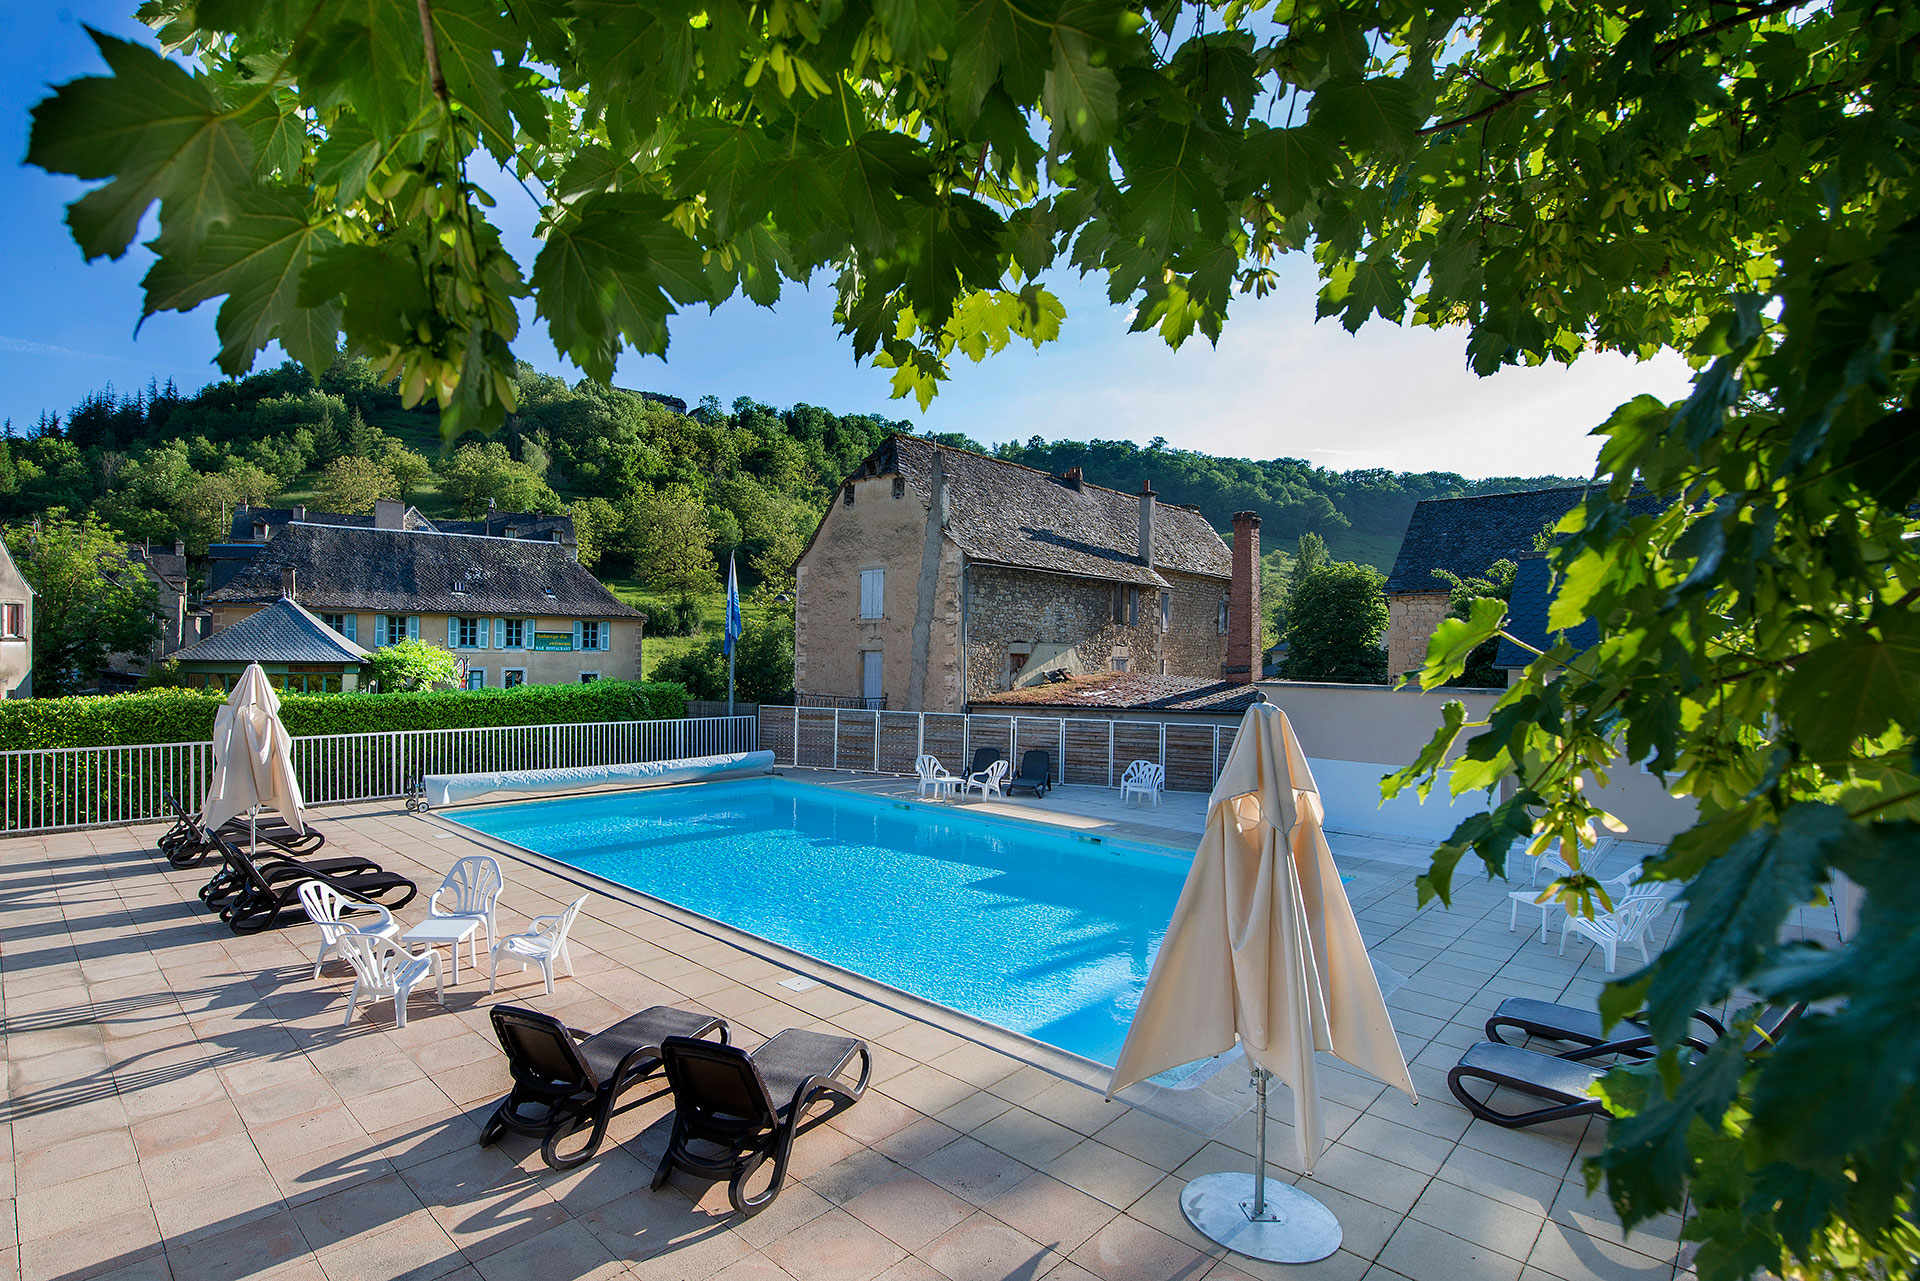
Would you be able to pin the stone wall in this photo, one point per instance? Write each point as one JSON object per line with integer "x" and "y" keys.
{"x": 1411, "y": 620}
{"x": 1193, "y": 644}
{"x": 1051, "y": 621}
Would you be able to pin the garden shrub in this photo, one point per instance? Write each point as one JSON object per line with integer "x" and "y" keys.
{"x": 186, "y": 716}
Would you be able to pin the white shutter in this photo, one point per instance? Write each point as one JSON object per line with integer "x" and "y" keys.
{"x": 873, "y": 592}
{"x": 576, "y": 635}
{"x": 606, "y": 634}
{"x": 526, "y": 632}
{"x": 413, "y": 627}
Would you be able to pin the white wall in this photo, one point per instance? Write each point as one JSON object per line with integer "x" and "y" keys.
{"x": 1351, "y": 792}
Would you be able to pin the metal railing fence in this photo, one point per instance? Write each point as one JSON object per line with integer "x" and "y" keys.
{"x": 1085, "y": 751}
{"x": 44, "y": 789}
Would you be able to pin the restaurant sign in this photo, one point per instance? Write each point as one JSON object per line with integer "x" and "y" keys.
{"x": 553, "y": 640}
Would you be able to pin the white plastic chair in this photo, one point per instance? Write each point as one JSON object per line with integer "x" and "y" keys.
{"x": 382, "y": 968}
{"x": 933, "y": 775}
{"x": 988, "y": 780}
{"x": 473, "y": 887}
{"x": 327, "y": 908}
{"x": 1143, "y": 778}
{"x": 539, "y": 945}
{"x": 1627, "y": 923}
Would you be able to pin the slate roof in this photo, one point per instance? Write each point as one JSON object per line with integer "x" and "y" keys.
{"x": 410, "y": 572}
{"x": 1527, "y": 616}
{"x": 283, "y": 632}
{"x": 540, "y": 525}
{"x": 1130, "y": 690}
{"x": 1465, "y": 535}
{"x": 165, "y": 565}
{"x": 1005, "y": 514}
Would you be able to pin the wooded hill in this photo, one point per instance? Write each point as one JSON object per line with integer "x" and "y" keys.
{"x": 641, "y": 473}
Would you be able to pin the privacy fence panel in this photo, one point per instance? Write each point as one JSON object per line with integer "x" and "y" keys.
{"x": 65, "y": 787}
{"x": 1093, "y": 753}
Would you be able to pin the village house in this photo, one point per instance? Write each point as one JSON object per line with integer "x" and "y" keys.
{"x": 512, "y": 610}
{"x": 164, "y": 568}
{"x": 941, "y": 577}
{"x": 16, "y": 630}
{"x": 260, "y": 524}
{"x": 297, "y": 650}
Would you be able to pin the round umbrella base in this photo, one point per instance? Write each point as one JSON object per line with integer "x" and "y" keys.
{"x": 1294, "y": 1229}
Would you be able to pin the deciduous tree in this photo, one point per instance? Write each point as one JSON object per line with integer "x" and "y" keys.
{"x": 90, "y": 601}
{"x": 351, "y": 485}
{"x": 1335, "y": 620}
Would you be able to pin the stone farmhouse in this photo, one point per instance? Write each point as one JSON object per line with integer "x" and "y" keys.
{"x": 513, "y": 610}
{"x": 940, "y": 577}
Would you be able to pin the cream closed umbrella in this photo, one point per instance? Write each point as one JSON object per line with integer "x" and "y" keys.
{"x": 1263, "y": 949}
{"x": 252, "y": 757}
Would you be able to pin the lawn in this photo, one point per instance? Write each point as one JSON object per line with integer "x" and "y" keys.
{"x": 713, "y": 617}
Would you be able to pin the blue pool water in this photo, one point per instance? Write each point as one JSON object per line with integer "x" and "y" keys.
{"x": 1045, "y": 934}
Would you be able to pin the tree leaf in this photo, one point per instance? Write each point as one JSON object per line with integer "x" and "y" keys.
{"x": 256, "y": 259}
{"x": 1374, "y": 114}
{"x": 916, "y": 28}
{"x": 605, "y": 275}
{"x": 1080, "y": 97}
{"x": 159, "y": 133}
{"x": 726, "y": 163}
{"x": 369, "y": 58}
{"x": 1856, "y": 686}
{"x": 1361, "y": 289}
{"x": 1289, "y": 167}
{"x": 882, "y": 171}
{"x": 472, "y": 37}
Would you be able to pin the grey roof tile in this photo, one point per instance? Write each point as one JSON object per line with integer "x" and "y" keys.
{"x": 1466, "y": 535}
{"x": 1006, "y": 514}
{"x": 1527, "y": 616}
{"x": 1136, "y": 690}
{"x": 283, "y": 632}
{"x": 415, "y": 572}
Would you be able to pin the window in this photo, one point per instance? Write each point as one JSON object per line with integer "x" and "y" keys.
{"x": 512, "y": 677}
{"x": 588, "y": 678}
{"x": 466, "y": 633}
{"x": 899, "y": 486}
{"x": 1223, "y": 615}
{"x": 476, "y": 678}
{"x": 1120, "y": 664}
{"x": 873, "y": 593}
{"x": 513, "y": 634}
{"x": 15, "y": 619}
{"x": 590, "y": 634}
{"x": 1016, "y": 663}
{"x": 846, "y": 495}
{"x": 1126, "y": 604}
{"x": 1166, "y": 611}
{"x": 346, "y": 624}
{"x": 395, "y": 628}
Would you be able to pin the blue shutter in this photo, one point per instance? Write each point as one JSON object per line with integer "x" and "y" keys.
{"x": 353, "y": 627}
{"x": 606, "y": 633}
{"x": 413, "y": 627}
{"x": 526, "y": 632}
{"x": 453, "y": 632}
{"x": 576, "y": 635}
{"x": 499, "y": 633}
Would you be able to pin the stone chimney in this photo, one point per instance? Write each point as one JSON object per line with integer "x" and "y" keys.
{"x": 286, "y": 583}
{"x": 1145, "y": 553}
{"x": 388, "y": 513}
{"x": 1243, "y": 662}
{"x": 1073, "y": 478}
{"x": 179, "y": 547}
{"x": 300, "y": 511}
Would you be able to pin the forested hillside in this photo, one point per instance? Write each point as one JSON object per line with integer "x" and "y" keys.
{"x": 659, "y": 495}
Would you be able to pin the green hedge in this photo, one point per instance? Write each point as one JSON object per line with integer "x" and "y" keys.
{"x": 186, "y": 716}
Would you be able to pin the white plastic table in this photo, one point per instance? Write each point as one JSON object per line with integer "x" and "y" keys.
{"x": 944, "y": 786}
{"x": 454, "y": 930}
{"x": 1527, "y": 897}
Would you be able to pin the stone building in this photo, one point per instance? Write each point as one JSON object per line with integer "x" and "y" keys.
{"x": 165, "y": 569}
{"x": 16, "y": 630}
{"x": 513, "y": 610}
{"x": 940, "y": 577}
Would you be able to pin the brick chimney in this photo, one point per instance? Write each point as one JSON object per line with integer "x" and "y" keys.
{"x": 286, "y": 582}
{"x": 388, "y": 513}
{"x": 1145, "y": 552}
{"x": 1243, "y": 663}
{"x": 1073, "y": 478}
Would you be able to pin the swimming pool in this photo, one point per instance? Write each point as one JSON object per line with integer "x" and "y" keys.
{"x": 1046, "y": 934}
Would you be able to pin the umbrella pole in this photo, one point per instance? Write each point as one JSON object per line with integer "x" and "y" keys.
{"x": 1271, "y": 1220}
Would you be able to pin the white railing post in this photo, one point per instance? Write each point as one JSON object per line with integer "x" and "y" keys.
{"x": 1110, "y": 725}
{"x": 836, "y": 738}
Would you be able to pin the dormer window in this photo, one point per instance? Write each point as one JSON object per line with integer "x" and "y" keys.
{"x": 461, "y": 588}
{"x": 513, "y": 531}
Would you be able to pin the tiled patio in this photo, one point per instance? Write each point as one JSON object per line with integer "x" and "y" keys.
{"x": 183, "y": 1102}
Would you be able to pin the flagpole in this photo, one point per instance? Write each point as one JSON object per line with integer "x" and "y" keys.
{"x": 733, "y": 627}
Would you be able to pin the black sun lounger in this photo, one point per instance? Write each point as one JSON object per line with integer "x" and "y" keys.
{"x": 187, "y": 841}
{"x": 264, "y": 893}
{"x": 1561, "y": 1083}
{"x": 1036, "y": 767}
{"x": 733, "y": 1111}
{"x": 983, "y": 757}
{"x": 564, "y": 1079}
{"x": 1544, "y": 1020}
{"x": 276, "y": 866}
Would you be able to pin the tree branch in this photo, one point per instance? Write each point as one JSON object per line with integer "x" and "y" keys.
{"x": 433, "y": 51}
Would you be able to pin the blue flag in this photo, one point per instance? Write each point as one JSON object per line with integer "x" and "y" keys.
{"x": 733, "y": 609}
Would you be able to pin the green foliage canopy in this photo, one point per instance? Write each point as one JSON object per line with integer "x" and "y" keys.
{"x": 1336, "y": 615}
{"x": 90, "y": 600}
{"x": 409, "y": 665}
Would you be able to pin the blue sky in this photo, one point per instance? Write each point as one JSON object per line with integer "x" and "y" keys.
{"x": 1278, "y": 383}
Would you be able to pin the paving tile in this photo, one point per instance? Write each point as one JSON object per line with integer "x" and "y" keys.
{"x": 1051, "y": 1212}
{"x": 242, "y": 1251}
{"x": 1572, "y": 1255}
{"x": 1479, "y": 1219}
{"x": 1026, "y": 1136}
{"x": 1425, "y": 1253}
{"x": 564, "y": 1250}
{"x": 1128, "y": 1250}
{"x": 972, "y": 1170}
{"x": 834, "y": 1246}
{"x": 1147, "y": 1138}
{"x": 1100, "y": 1171}
{"x": 414, "y": 1248}
{"x": 108, "y": 1242}
{"x": 907, "y": 1209}
{"x": 982, "y": 1248}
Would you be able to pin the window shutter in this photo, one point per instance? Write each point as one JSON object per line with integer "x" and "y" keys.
{"x": 453, "y": 632}
{"x": 606, "y": 634}
{"x": 413, "y": 627}
{"x": 352, "y": 632}
{"x": 526, "y": 632}
{"x": 576, "y": 635}
{"x": 499, "y": 633}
